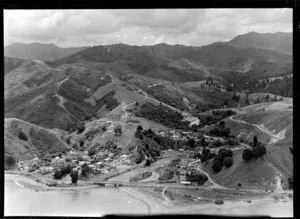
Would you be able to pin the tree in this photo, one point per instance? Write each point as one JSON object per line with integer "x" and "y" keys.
{"x": 247, "y": 154}
{"x": 217, "y": 166}
{"x": 254, "y": 141}
{"x": 74, "y": 176}
{"x": 204, "y": 158}
{"x": 191, "y": 143}
{"x": 228, "y": 161}
{"x": 259, "y": 151}
{"x": 85, "y": 170}
{"x": 215, "y": 143}
{"x": 147, "y": 163}
{"x": 267, "y": 97}
{"x": 22, "y": 136}
{"x": 247, "y": 99}
{"x": 222, "y": 124}
{"x": 290, "y": 182}
{"x": 58, "y": 174}
{"x": 118, "y": 130}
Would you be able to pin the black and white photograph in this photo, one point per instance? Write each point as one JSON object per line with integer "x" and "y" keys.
{"x": 148, "y": 112}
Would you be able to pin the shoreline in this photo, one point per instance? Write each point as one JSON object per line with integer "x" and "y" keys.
{"x": 265, "y": 205}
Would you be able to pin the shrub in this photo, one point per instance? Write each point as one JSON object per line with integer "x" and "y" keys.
{"x": 80, "y": 128}
{"x": 138, "y": 157}
{"x": 247, "y": 154}
{"x": 214, "y": 131}
{"x": 219, "y": 202}
{"x": 228, "y": 161}
{"x": 215, "y": 143}
{"x": 58, "y": 174}
{"x": 118, "y": 130}
{"x": 22, "y": 136}
{"x": 68, "y": 141}
{"x": 217, "y": 166}
{"x": 81, "y": 143}
{"x": 231, "y": 142}
{"x": 74, "y": 176}
{"x": 92, "y": 152}
{"x": 224, "y": 132}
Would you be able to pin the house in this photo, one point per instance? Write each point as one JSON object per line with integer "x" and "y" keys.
{"x": 181, "y": 150}
{"x": 46, "y": 170}
{"x": 185, "y": 182}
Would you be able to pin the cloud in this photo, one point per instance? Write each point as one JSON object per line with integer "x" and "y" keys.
{"x": 140, "y": 27}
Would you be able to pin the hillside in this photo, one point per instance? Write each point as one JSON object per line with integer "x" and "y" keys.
{"x": 39, "y": 51}
{"x": 280, "y": 42}
{"x": 178, "y": 63}
{"x": 34, "y": 141}
{"x": 273, "y": 126}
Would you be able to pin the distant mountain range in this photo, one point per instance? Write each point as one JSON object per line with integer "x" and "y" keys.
{"x": 280, "y": 42}
{"x": 40, "y": 51}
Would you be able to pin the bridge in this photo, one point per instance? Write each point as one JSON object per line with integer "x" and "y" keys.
{"x": 113, "y": 183}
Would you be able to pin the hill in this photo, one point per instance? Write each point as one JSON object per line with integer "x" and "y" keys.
{"x": 39, "y": 51}
{"x": 26, "y": 141}
{"x": 280, "y": 42}
{"x": 272, "y": 124}
{"x": 179, "y": 63}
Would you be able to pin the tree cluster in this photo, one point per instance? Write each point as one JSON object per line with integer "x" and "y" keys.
{"x": 223, "y": 158}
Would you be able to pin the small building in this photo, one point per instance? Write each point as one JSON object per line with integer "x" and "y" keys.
{"x": 185, "y": 182}
{"x": 181, "y": 150}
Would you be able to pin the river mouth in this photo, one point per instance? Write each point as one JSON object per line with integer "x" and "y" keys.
{"x": 21, "y": 200}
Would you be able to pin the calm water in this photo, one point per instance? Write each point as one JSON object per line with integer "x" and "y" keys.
{"x": 20, "y": 200}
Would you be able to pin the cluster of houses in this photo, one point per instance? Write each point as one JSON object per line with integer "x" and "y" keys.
{"x": 75, "y": 159}
{"x": 177, "y": 134}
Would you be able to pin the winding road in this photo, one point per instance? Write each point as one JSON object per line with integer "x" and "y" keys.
{"x": 274, "y": 138}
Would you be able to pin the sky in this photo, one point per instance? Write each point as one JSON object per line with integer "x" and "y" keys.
{"x": 195, "y": 27}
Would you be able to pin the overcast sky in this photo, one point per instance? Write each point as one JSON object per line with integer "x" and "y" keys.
{"x": 196, "y": 27}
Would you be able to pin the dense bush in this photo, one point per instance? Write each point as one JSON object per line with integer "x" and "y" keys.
{"x": 222, "y": 154}
{"x": 228, "y": 161}
{"x": 215, "y": 143}
{"x": 247, "y": 154}
{"x": 231, "y": 142}
{"x": 258, "y": 151}
{"x": 10, "y": 162}
{"x": 217, "y": 166}
{"x": 196, "y": 176}
{"x": 162, "y": 115}
{"x": 22, "y": 136}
